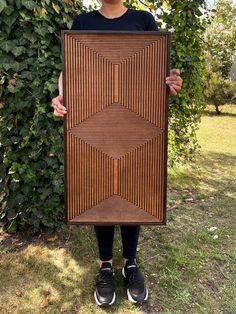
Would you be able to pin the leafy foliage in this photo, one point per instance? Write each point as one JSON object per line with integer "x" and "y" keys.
{"x": 31, "y": 152}
{"x": 187, "y": 21}
{"x": 220, "y": 38}
{"x": 220, "y": 91}
{"x": 31, "y": 138}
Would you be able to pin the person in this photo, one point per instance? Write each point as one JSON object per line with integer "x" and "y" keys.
{"x": 113, "y": 15}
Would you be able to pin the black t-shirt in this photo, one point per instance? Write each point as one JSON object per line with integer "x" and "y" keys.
{"x": 130, "y": 20}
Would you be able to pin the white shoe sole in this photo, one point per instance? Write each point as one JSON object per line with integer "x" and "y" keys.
{"x": 130, "y": 298}
{"x": 99, "y": 303}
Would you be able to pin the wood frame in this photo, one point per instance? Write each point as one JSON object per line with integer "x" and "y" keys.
{"x": 115, "y": 174}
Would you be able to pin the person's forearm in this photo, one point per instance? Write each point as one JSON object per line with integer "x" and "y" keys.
{"x": 60, "y": 85}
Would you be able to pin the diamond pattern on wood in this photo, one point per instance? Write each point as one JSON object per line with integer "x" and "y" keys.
{"x": 107, "y": 130}
{"x": 115, "y": 127}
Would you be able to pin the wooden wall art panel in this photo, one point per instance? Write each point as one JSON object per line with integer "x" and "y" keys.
{"x": 115, "y": 129}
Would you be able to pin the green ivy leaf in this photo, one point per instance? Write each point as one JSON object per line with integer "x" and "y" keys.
{"x": 3, "y": 5}
{"x": 29, "y": 4}
{"x": 11, "y": 19}
{"x": 17, "y": 51}
{"x": 12, "y": 227}
{"x": 8, "y": 45}
{"x": 9, "y": 9}
{"x": 56, "y": 7}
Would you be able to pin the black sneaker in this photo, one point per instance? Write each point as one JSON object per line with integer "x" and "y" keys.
{"x": 105, "y": 285}
{"x": 134, "y": 281}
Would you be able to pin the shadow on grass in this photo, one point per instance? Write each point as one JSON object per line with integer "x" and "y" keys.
{"x": 71, "y": 275}
{"x": 184, "y": 257}
{"x": 87, "y": 249}
{"x": 164, "y": 249}
{"x": 215, "y": 114}
{"x": 165, "y": 252}
{"x": 213, "y": 174}
{"x": 37, "y": 267}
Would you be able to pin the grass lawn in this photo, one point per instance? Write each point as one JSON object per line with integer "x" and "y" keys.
{"x": 190, "y": 264}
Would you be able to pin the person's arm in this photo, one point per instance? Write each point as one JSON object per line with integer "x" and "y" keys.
{"x": 57, "y": 102}
{"x": 60, "y": 85}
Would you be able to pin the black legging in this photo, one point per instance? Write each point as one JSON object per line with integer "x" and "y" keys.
{"x": 105, "y": 236}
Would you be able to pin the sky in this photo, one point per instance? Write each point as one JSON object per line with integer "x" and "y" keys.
{"x": 87, "y": 2}
{"x": 211, "y": 2}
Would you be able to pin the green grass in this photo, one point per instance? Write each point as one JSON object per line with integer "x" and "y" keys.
{"x": 189, "y": 264}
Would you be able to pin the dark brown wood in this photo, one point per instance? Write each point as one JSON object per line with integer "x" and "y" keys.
{"x": 115, "y": 129}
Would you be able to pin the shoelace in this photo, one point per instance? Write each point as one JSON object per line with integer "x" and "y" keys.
{"x": 135, "y": 277}
{"x": 105, "y": 278}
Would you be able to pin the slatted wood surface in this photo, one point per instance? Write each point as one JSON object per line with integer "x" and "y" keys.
{"x": 115, "y": 129}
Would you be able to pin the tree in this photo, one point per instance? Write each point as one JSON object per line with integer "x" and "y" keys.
{"x": 220, "y": 36}
{"x": 220, "y": 91}
{"x": 220, "y": 39}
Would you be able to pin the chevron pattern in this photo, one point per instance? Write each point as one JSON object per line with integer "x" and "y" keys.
{"x": 115, "y": 127}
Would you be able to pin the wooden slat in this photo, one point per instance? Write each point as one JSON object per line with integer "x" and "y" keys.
{"x": 115, "y": 130}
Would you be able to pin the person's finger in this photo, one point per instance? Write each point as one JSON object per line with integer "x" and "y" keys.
{"x": 175, "y": 84}
{"x": 174, "y": 79}
{"x": 55, "y": 100}
{"x": 179, "y": 80}
{"x": 58, "y": 101}
{"x": 175, "y": 72}
{"x": 57, "y": 114}
{"x": 61, "y": 107}
{"x": 172, "y": 91}
{"x": 176, "y": 87}
{"x": 56, "y": 104}
{"x": 60, "y": 110}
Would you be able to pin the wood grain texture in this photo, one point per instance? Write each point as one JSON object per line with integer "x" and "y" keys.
{"x": 115, "y": 130}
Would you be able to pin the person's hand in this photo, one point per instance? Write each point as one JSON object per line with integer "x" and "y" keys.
{"x": 57, "y": 104}
{"x": 174, "y": 81}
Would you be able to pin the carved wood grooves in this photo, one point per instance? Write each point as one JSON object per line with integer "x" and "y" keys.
{"x": 115, "y": 127}
{"x": 90, "y": 176}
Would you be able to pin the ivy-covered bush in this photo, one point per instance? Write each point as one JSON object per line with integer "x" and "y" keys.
{"x": 31, "y": 152}
{"x": 187, "y": 21}
{"x": 31, "y": 138}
